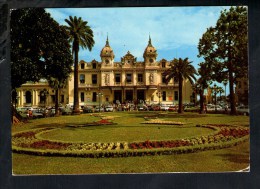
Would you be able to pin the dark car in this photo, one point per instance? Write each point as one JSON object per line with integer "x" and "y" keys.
{"x": 65, "y": 111}
{"x": 87, "y": 109}
{"x": 37, "y": 113}
{"x": 142, "y": 107}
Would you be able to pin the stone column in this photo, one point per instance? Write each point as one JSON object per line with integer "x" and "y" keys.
{"x": 21, "y": 97}
{"x": 36, "y": 98}
{"x": 33, "y": 97}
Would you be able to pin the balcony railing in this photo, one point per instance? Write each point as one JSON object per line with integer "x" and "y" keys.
{"x": 140, "y": 83}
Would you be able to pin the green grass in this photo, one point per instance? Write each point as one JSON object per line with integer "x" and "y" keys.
{"x": 231, "y": 159}
{"x": 129, "y": 128}
{"x": 123, "y": 133}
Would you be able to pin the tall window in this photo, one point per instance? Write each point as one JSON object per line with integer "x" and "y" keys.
{"x": 163, "y": 64}
{"x": 176, "y": 95}
{"x": 117, "y": 77}
{"x": 94, "y": 65}
{"x": 140, "y": 77}
{"x": 94, "y": 97}
{"x": 163, "y": 79}
{"x": 82, "y": 65}
{"x": 164, "y": 95}
{"x": 82, "y": 95}
{"x": 82, "y": 78}
{"x": 94, "y": 79}
{"x": 128, "y": 78}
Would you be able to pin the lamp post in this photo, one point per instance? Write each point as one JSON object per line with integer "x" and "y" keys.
{"x": 159, "y": 96}
{"x": 99, "y": 99}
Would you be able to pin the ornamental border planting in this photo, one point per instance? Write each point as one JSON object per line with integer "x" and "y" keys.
{"x": 30, "y": 142}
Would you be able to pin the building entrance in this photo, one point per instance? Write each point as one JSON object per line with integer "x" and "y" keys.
{"x": 140, "y": 95}
{"x": 117, "y": 96}
{"x": 28, "y": 97}
{"x": 129, "y": 95}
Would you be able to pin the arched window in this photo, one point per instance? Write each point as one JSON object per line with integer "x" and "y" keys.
{"x": 28, "y": 97}
{"x": 82, "y": 78}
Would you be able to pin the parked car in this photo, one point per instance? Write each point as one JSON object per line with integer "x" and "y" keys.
{"x": 213, "y": 107}
{"x": 243, "y": 110}
{"x": 109, "y": 108}
{"x": 65, "y": 111}
{"x": 98, "y": 109}
{"x": 164, "y": 107}
{"x": 51, "y": 112}
{"x": 23, "y": 109}
{"x": 37, "y": 113}
{"x": 87, "y": 109}
{"x": 172, "y": 108}
{"x": 155, "y": 107}
{"x": 142, "y": 107}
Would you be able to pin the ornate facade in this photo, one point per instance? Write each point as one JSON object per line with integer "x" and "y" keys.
{"x": 108, "y": 81}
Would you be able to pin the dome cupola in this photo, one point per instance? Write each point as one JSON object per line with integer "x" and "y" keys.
{"x": 150, "y": 53}
{"x": 107, "y": 54}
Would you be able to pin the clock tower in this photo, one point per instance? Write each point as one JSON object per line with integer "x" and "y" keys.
{"x": 150, "y": 53}
{"x": 107, "y": 55}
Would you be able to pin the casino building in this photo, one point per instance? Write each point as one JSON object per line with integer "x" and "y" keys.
{"x": 108, "y": 81}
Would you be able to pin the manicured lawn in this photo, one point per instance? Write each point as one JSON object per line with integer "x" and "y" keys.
{"x": 120, "y": 133}
{"x": 129, "y": 128}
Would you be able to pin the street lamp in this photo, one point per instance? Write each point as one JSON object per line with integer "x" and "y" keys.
{"x": 159, "y": 96}
{"x": 99, "y": 95}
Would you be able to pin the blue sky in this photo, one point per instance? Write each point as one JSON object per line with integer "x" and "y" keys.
{"x": 175, "y": 31}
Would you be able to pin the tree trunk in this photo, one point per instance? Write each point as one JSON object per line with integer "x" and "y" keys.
{"x": 201, "y": 101}
{"x": 231, "y": 82}
{"x": 232, "y": 95}
{"x": 56, "y": 102}
{"x": 76, "y": 84}
{"x": 180, "y": 110}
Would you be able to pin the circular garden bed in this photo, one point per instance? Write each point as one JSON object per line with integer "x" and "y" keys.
{"x": 31, "y": 142}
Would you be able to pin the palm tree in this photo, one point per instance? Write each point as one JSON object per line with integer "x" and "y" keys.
{"x": 81, "y": 35}
{"x": 180, "y": 69}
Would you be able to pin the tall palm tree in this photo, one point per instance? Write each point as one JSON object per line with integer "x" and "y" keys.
{"x": 180, "y": 70}
{"x": 81, "y": 35}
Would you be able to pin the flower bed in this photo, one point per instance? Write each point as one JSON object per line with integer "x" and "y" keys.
{"x": 162, "y": 122}
{"x": 95, "y": 123}
{"x": 225, "y": 136}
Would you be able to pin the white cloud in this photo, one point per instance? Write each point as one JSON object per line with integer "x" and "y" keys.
{"x": 128, "y": 28}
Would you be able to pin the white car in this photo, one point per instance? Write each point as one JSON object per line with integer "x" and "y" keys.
{"x": 243, "y": 110}
{"x": 164, "y": 107}
{"x": 213, "y": 108}
{"x": 109, "y": 109}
